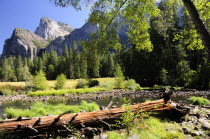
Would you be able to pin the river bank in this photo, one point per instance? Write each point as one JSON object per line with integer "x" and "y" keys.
{"x": 195, "y": 125}
{"x": 118, "y": 94}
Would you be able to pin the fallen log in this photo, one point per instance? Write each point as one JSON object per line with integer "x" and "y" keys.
{"x": 59, "y": 125}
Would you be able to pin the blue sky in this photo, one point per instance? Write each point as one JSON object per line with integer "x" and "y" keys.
{"x": 27, "y": 13}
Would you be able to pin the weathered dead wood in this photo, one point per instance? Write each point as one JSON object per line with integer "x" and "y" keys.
{"x": 53, "y": 124}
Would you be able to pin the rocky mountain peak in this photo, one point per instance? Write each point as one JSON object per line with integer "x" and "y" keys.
{"x": 89, "y": 28}
{"x": 49, "y": 29}
{"x": 23, "y": 42}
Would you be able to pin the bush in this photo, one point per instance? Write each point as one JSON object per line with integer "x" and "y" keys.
{"x": 60, "y": 81}
{"x": 11, "y": 90}
{"x": 93, "y": 83}
{"x": 119, "y": 83}
{"x": 187, "y": 79}
{"x": 82, "y": 83}
{"x": 107, "y": 85}
{"x": 199, "y": 101}
{"x": 40, "y": 81}
{"x": 131, "y": 84}
{"x": 8, "y": 92}
{"x": 12, "y": 87}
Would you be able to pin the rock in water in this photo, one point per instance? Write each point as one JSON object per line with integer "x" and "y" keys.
{"x": 24, "y": 43}
{"x": 49, "y": 29}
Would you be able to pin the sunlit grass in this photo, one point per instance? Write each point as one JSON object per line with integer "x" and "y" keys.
{"x": 65, "y": 91}
{"x": 199, "y": 100}
{"x": 151, "y": 128}
{"x": 41, "y": 109}
{"x": 70, "y": 83}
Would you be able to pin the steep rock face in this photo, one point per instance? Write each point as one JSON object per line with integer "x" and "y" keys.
{"x": 24, "y": 43}
{"x": 76, "y": 35}
{"x": 49, "y": 29}
{"x": 81, "y": 34}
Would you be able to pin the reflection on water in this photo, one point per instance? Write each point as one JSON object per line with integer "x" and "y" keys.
{"x": 101, "y": 102}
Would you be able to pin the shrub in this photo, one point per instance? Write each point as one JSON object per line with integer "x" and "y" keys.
{"x": 60, "y": 81}
{"x": 12, "y": 87}
{"x": 93, "y": 83}
{"x": 131, "y": 84}
{"x": 82, "y": 83}
{"x": 107, "y": 85}
{"x": 156, "y": 86}
{"x": 119, "y": 83}
{"x": 8, "y": 92}
{"x": 40, "y": 81}
{"x": 186, "y": 79}
{"x": 199, "y": 101}
{"x": 11, "y": 90}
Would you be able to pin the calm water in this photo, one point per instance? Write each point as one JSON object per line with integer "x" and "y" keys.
{"x": 101, "y": 102}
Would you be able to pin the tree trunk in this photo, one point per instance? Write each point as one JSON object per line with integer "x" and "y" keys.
{"x": 59, "y": 125}
{"x": 199, "y": 24}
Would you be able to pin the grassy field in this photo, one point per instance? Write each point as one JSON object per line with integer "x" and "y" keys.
{"x": 70, "y": 83}
{"x": 41, "y": 109}
{"x": 150, "y": 128}
{"x": 65, "y": 91}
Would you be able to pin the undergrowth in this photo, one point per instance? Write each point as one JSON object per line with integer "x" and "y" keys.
{"x": 141, "y": 125}
{"x": 9, "y": 90}
{"x": 150, "y": 128}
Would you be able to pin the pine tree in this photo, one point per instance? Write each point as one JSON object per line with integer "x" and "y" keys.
{"x": 83, "y": 66}
{"x": 19, "y": 68}
{"x": 110, "y": 63}
{"x": 83, "y": 63}
{"x": 95, "y": 65}
{"x": 75, "y": 61}
{"x": 11, "y": 70}
{"x": 4, "y": 69}
{"x": 65, "y": 61}
{"x": 71, "y": 64}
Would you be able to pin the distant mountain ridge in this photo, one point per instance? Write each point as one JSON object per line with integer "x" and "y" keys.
{"x": 80, "y": 34}
{"x": 49, "y": 36}
{"x": 49, "y": 29}
{"x": 24, "y": 43}
{"x": 28, "y": 44}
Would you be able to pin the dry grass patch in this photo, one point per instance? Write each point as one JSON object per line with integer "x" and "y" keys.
{"x": 70, "y": 83}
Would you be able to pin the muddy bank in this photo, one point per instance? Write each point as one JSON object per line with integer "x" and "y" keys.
{"x": 104, "y": 94}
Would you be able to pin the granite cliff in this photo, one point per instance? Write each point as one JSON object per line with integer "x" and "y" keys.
{"x": 49, "y": 36}
{"x": 50, "y": 30}
{"x": 80, "y": 34}
{"x": 24, "y": 43}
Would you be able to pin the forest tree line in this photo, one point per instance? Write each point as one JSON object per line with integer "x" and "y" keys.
{"x": 178, "y": 57}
